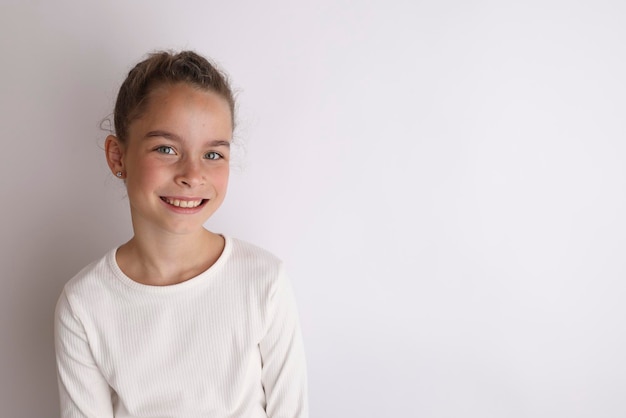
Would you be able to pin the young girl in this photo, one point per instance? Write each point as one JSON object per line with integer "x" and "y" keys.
{"x": 178, "y": 322}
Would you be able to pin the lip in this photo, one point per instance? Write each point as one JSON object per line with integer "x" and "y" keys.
{"x": 179, "y": 204}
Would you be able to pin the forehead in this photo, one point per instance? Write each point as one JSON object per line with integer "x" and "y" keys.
{"x": 185, "y": 105}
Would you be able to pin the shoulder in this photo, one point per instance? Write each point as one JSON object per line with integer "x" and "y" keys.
{"x": 261, "y": 276}
{"x": 251, "y": 257}
{"x": 90, "y": 284}
{"x": 254, "y": 267}
{"x": 91, "y": 275}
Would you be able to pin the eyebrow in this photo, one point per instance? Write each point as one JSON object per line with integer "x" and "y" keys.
{"x": 174, "y": 137}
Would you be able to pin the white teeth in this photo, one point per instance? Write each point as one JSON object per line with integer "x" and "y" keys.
{"x": 183, "y": 203}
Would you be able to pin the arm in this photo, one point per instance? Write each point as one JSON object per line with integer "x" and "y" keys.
{"x": 282, "y": 353}
{"x": 84, "y": 393}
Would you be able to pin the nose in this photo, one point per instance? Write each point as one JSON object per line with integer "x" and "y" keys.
{"x": 190, "y": 174}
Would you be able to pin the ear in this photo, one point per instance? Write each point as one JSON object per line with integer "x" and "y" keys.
{"x": 114, "y": 150}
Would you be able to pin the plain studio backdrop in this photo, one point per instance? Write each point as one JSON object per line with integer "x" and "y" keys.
{"x": 445, "y": 180}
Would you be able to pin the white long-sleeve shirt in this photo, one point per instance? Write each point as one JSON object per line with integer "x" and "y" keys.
{"x": 224, "y": 344}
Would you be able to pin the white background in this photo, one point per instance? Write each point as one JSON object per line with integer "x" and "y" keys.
{"x": 445, "y": 180}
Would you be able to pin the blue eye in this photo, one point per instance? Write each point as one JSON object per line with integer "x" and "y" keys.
{"x": 165, "y": 150}
{"x": 212, "y": 155}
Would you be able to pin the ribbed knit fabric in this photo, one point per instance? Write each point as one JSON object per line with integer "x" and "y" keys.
{"x": 225, "y": 344}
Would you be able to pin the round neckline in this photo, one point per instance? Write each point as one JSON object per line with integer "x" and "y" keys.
{"x": 193, "y": 282}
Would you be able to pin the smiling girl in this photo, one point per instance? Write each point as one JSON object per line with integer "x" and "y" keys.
{"x": 178, "y": 321}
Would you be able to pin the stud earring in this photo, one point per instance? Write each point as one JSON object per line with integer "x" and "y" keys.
{"x": 119, "y": 174}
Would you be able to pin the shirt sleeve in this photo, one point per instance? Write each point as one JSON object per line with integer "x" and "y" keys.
{"x": 284, "y": 374}
{"x": 84, "y": 392}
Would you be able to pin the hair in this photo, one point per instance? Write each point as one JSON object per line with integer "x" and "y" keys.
{"x": 164, "y": 67}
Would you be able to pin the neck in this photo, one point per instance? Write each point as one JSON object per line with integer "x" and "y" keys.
{"x": 169, "y": 260}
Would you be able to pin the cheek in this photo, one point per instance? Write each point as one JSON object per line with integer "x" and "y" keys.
{"x": 143, "y": 171}
{"x": 220, "y": 178}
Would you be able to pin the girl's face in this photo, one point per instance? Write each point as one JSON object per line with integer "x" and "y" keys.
{"x": 176, "y": 159}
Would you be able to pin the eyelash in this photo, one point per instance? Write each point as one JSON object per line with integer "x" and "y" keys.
{"x": 211, "y": 155}
{"x": 164, "y": 149}
{"x": 215, "y": 154}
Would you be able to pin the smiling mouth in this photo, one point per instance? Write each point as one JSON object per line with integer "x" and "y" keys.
{"x": 183, "y": 203}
